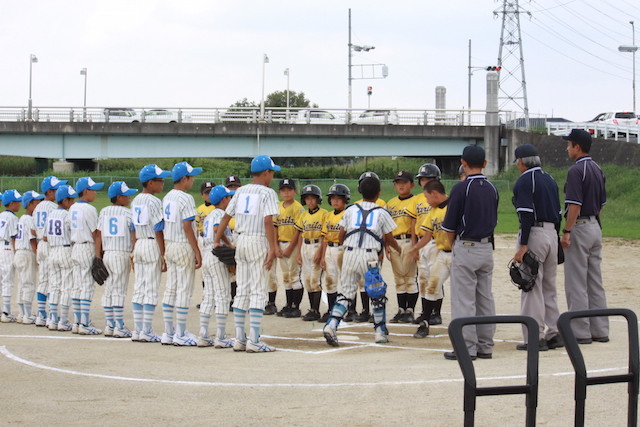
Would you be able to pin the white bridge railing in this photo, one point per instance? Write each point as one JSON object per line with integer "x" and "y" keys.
{"x": 323, "y": 116}
{"x": 598, "y": 130}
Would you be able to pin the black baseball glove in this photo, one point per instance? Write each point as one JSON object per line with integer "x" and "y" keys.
{"x": 523, "y": 274}
{"x": 99, "y": 271}
{"x": 225, "y": 254}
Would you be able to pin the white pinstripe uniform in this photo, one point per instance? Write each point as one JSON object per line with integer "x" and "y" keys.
{"x": 8, "y": 231}
{"x": 84, "y": 221}
{"x": 146, "y": 211}
{"x": 177, "y": 207}
{"x": 250, "y": 205}
{"x": 216, "y": 276}
{"x": 25, "y": 259}
{"x": 40, "y": 214}
{"x": 355, "y": 259}
{"x": 114, "y": 224}
{"x": 58, "y": 232}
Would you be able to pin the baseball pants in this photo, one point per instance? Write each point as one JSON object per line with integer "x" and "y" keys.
{"x": 251, "y": 276}
{"x": 217, "y": 285}
{"x": 290, "y": 271}
{"x": 541, "y": 302}
{"x": 354, "y": 265}
{"x": 427, "y": 257}
{"x": 115, "y": 287}
{"x": 25, "y": 266}
{"x": 404, "y": 269}
{"x": 310, "y": 271}
{"x": 42, "y": 257}
{"x": 333, "y": 268}
{"x": 82, "y": 255}
{"x": 440, "y": 272}
{"x": 181, "y": 273}
{"x": 471, "y": 295}
{"x": 583, "y": 278}
{"x": 148, "y": 268}
{"x": 6, "y": 267}
{"x": 60, "y": 269}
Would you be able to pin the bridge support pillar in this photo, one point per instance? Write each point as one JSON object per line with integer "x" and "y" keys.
{"x": 64, "y": 167}
{"x": 492, "y": 126}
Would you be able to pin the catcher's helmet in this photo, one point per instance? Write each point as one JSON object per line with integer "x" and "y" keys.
{"x": 311, "y": 190}
{"x": 339, "y": 190}
{"x": 368, "y": 175}
{"x": 429, "y": 170}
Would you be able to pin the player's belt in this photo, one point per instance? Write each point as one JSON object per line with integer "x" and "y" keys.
{"x": 349, "y": 248}
{"x": 446, "y": 250}
{"x": 402, "y": 236}
{"x": 4, "y": 242}
{"x": 333, "y": 244}
{"x": 541, "y": 223}
{"x": 311, "y": 241}
{"x": 586, "y": 217}
{"x": 82, "y": 243}
{"x": 149, "y": 238}
{"x": 475, "y": 239}
{"x": 66, "y": 246}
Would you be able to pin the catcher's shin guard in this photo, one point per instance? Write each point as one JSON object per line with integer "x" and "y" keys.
{"x": 379, "y": 313}
{"x": 338, "y": 310}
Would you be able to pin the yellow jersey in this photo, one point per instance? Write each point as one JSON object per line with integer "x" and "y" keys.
{"x": 201, "y": 213}
{"x": 433, "y": 223}
{"x": 285, "y": 222}
{"x": 309, "y": 224}
{"x": 331, "y": 227}
{"x": 422, "y": 209}
{"x": 403, "y": 212}
{"x": 232, "y": 224}
{"x": 379, "y": 202}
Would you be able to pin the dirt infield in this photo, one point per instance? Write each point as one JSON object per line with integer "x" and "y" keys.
{"x": 62, "y": 379}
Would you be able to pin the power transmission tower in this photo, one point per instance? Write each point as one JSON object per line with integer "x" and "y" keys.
{"x": 513, "y": 85}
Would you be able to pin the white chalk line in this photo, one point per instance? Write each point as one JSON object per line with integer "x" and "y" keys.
{"x": 9, "y": 355}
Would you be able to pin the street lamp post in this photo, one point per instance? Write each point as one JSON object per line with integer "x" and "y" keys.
{"x": 353, "y": 47}
{"x": 265, "y": 61}
{"x": 633, "y": 49}
{"x": 286, "y": 73}
{"x": 32, "y": 60}
{"x": 83, "y": 72}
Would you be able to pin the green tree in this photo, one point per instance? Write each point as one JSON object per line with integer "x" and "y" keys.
{"x": 244, "y": 102}
{"x": 296, "y": 99}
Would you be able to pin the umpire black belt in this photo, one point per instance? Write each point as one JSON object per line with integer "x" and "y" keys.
{"x": 476, "y": 239}
{"x": 541, "y": 223}
{"x": 333, "y": 244}
{"x": 310, "y": 241}
{"x": 349, "y": 248}
{"x": 402, "y": 236}
{"x": 586, "y": 217}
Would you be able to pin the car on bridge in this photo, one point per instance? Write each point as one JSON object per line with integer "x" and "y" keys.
{"x": 619, "y": 118}
{"x": 161, "y": 115}
{"x": 315, "y": 117}
{"x": 377, "y": 117}
{"x": 121, "y": 115}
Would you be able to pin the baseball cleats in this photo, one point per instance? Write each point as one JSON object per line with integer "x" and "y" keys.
{"x": 65, "y": 326}
{"x": 74, "y": 328}
{"x": 423, "y": 330}
{"x": 311, "y": 316}
{"x": 555, "y": 342}
{"x": 362, "y": 317}
{"x": 435, "y": 319}
{"x": 108, "y": 331}
{"x": 53, "y": 325}
{"x": 293, "y": 313}
{"x": 28, "y": 320}
{"x": 205, "y": 342}
{"x": 8, "y": 318}
{"x": 330, "y": 335}
{"x": 166, "y": 339}
{"x": 149, "y": 336}
{"x": 239, "y": 345}
{"x": 186, "y": 340}
{"x": 350, "y": 316}
{"x": 88, "y": 330}
{"x": 259, "y": 347}
{"x": 407, "y": 317}
{"x": 270, "y": 309}
{"x": 223, "y": 343}
{"x": 123, "y": 332}
{"x": 542, "y": 346}
{"x": 398, "y": 316}
{"x": 325, "y": 317}
{"x": 135, "y": 336}
{"x": 40, "y": 321}
{"x": 381, "y": 336}
{"x": 283, "y": 312}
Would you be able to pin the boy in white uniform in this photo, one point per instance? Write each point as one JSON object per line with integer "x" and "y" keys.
{"x": 84, "y": 222}
{"x": 24, "y": 260}
{"x": 8, "y": 231}
{"x": 217, "y": 280}
{"x": 148, "y": 252}
{"x": 114, "y": 237}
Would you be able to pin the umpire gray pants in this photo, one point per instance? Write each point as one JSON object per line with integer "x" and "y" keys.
{"x": 471, "y": 295}
{"x": 541, "y": 302}
{"x": 583, "y": 278}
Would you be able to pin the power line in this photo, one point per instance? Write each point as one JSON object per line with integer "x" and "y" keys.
{"x": 595, "y": 23}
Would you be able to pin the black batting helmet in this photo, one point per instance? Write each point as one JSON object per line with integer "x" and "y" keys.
{"x": 339, "y": 190}
{"x": 429, "y": 170}
{"x": 311, "y": 190}
{"x": 368, "y": 175}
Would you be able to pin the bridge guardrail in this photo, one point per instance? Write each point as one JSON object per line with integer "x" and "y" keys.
{"x": 598, "y": 130}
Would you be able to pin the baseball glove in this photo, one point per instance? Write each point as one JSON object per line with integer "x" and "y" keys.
{"x": 99, "y": 271}
{"x": 523, "y": 274}
{"x": 225, "y": 254}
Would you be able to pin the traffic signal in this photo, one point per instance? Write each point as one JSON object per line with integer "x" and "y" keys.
{"x": 493, "y": 68}
{"x": 369, "y": 90}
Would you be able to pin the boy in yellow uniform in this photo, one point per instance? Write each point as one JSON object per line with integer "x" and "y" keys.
{"x": 332, "y": 249}
{"x": 290, "y": 211}
{"x": 427, "y": 173}
{"x": 309, "y": 231}
{"x": 403, "y": 211}
{"x": 440, "y": 266}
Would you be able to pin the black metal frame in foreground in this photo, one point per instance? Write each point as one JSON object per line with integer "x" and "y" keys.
{"x": 471, "y": 390}
{"x": 582, "y": 381}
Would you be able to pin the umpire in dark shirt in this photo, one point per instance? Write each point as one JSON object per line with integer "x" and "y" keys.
{"x": 471, "y": 217}
{"x": 585, "y": 195}
{"x": 537, "y": 203}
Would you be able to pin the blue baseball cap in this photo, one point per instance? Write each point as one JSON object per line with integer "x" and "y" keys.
{"x": 51, "y": 183}
{"x": 150, "y": 172}
{"x": 65, "y": 192}
{"x": 86, "y": 183}
{"x": 183, "y": 169}
{"x": 30, "y": 196}
{"x": 263, "y": 163}
{"x": 120, "y": 188}
{"x": 11, "y": 196}
{"x": 218, "y": 193}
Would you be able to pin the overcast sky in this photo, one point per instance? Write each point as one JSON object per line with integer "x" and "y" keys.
{"x": 208, "y": 53}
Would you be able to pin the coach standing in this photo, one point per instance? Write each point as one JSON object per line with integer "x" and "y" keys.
{"x": 535, "y": 197}
{"x": 585, "y": 195}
